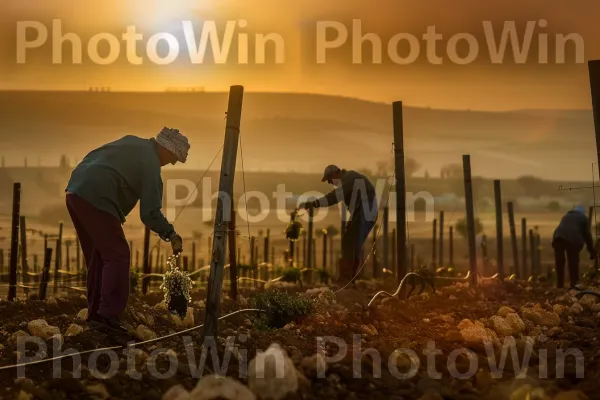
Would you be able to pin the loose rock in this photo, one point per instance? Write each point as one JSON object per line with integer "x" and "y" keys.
{"x": 267, "y": 380}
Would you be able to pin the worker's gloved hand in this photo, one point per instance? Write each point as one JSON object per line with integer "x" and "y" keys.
{"x": 176, "y": 243}
{"x": 304, "y": 206}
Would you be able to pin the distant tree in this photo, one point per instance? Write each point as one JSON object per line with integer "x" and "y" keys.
{"x": 484, "y": 204}
{"x": 553, "y": 206}
{"x": 451, "y": 171}
{"x": 461, "y": 227}
{"x": 426, "y": 174}
{"x": 332, "y": 230}
{"x": 385, "y": 168}
{"x": 532, "y": 186}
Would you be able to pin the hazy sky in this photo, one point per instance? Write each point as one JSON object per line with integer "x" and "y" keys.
{"x": 478, "y": 84}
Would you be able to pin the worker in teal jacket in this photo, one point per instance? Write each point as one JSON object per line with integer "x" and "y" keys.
{"x": 102, "y": 191}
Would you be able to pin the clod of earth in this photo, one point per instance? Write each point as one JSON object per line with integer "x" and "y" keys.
{"x": 145, "y": 333}
{"x": 215, "y": 387}
{"x": 267, "y": 379}
{"x": 541, "y": 317}
{"x": 41, "y": 329}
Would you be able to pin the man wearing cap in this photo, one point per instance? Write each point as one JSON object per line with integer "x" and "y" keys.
{"x": 571, "y": 235}
{"x": 358, "y": 194}
{"x": 102, "y": 191}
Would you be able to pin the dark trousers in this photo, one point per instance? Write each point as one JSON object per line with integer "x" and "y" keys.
{"x": 566, "y": 253}
{"x": 353, "y": 241}
{"x": 106, "y": 254}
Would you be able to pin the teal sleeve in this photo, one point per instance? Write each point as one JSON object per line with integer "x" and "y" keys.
{"x": 151, "y": 204}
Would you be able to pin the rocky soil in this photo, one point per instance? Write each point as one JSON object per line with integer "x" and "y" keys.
{"x": 448, "y": 345}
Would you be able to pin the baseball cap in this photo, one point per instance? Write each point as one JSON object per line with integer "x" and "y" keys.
{"x": 331, "y": 169}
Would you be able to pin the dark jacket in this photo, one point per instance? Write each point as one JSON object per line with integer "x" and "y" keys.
{"x": 574, "y": 227}
{"x": 356, "y": 191}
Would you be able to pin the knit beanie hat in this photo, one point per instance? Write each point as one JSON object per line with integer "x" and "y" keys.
{"x": 175, "y": 142}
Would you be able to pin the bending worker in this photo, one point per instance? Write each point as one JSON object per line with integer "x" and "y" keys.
{"x": 572, "y": 233}
{"x": 358, "y": 194}
{"x": 102, "y": 191}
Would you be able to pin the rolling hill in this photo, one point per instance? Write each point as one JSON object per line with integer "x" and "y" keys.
{"x": 299, "y": 132}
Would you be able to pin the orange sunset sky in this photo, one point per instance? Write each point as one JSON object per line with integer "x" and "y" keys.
{"x": 477, "y": 85}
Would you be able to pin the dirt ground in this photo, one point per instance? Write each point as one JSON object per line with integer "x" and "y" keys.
{"x": 385, "y": 326}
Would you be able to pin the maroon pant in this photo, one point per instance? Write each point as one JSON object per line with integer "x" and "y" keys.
{"x": 106, "y": 254}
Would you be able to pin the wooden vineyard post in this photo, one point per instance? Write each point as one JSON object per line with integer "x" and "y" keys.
{"x": 185, "y": 263}
{"x": 14, "y": 242}
{"x": 499, "y": 229}
{"x": 532, "y": 253}
{"x": 252, "y": 261}
{"x": 470, "y": 218}
{"x": 594, "y": 72}
{"x": 147, "y": 268}
{"x": 434, "y": 245}
{"x": 332, "y": 262}
{"x": 524, "y": 247}
{"x": 45, "y": 274}
{"x": 314, "y": 252}
{"x": 309, "y": 252}
{"x": 441, "y": 241}
{"x": 58, "y": 256}
{"x": 233, "y": 272}
{"x": 24, "y": 264}
{"x": 386, "y": 239}
{"x": 451, "y": 246}
{"x": 131, "y": 265}
{"x": 1, "y": 265}
{"x": 394, "y": 267}
{"x": 513, "y": 239}
{"x": 223, "y": 214}
{"x": 266, "y": 246}
{"x": 304, "y": 264}
{"x": 400, "y": 187}
{"x": 324, "y": 249}
{"x": 68, "y": 255}
{"x": 193, "y": 266}
{"x": 56, "y": 271}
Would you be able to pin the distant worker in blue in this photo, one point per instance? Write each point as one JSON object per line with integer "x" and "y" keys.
{"x": 103, "y": 189}
{"x": 571, "y": 235}
{"x": 358, "y": 194}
